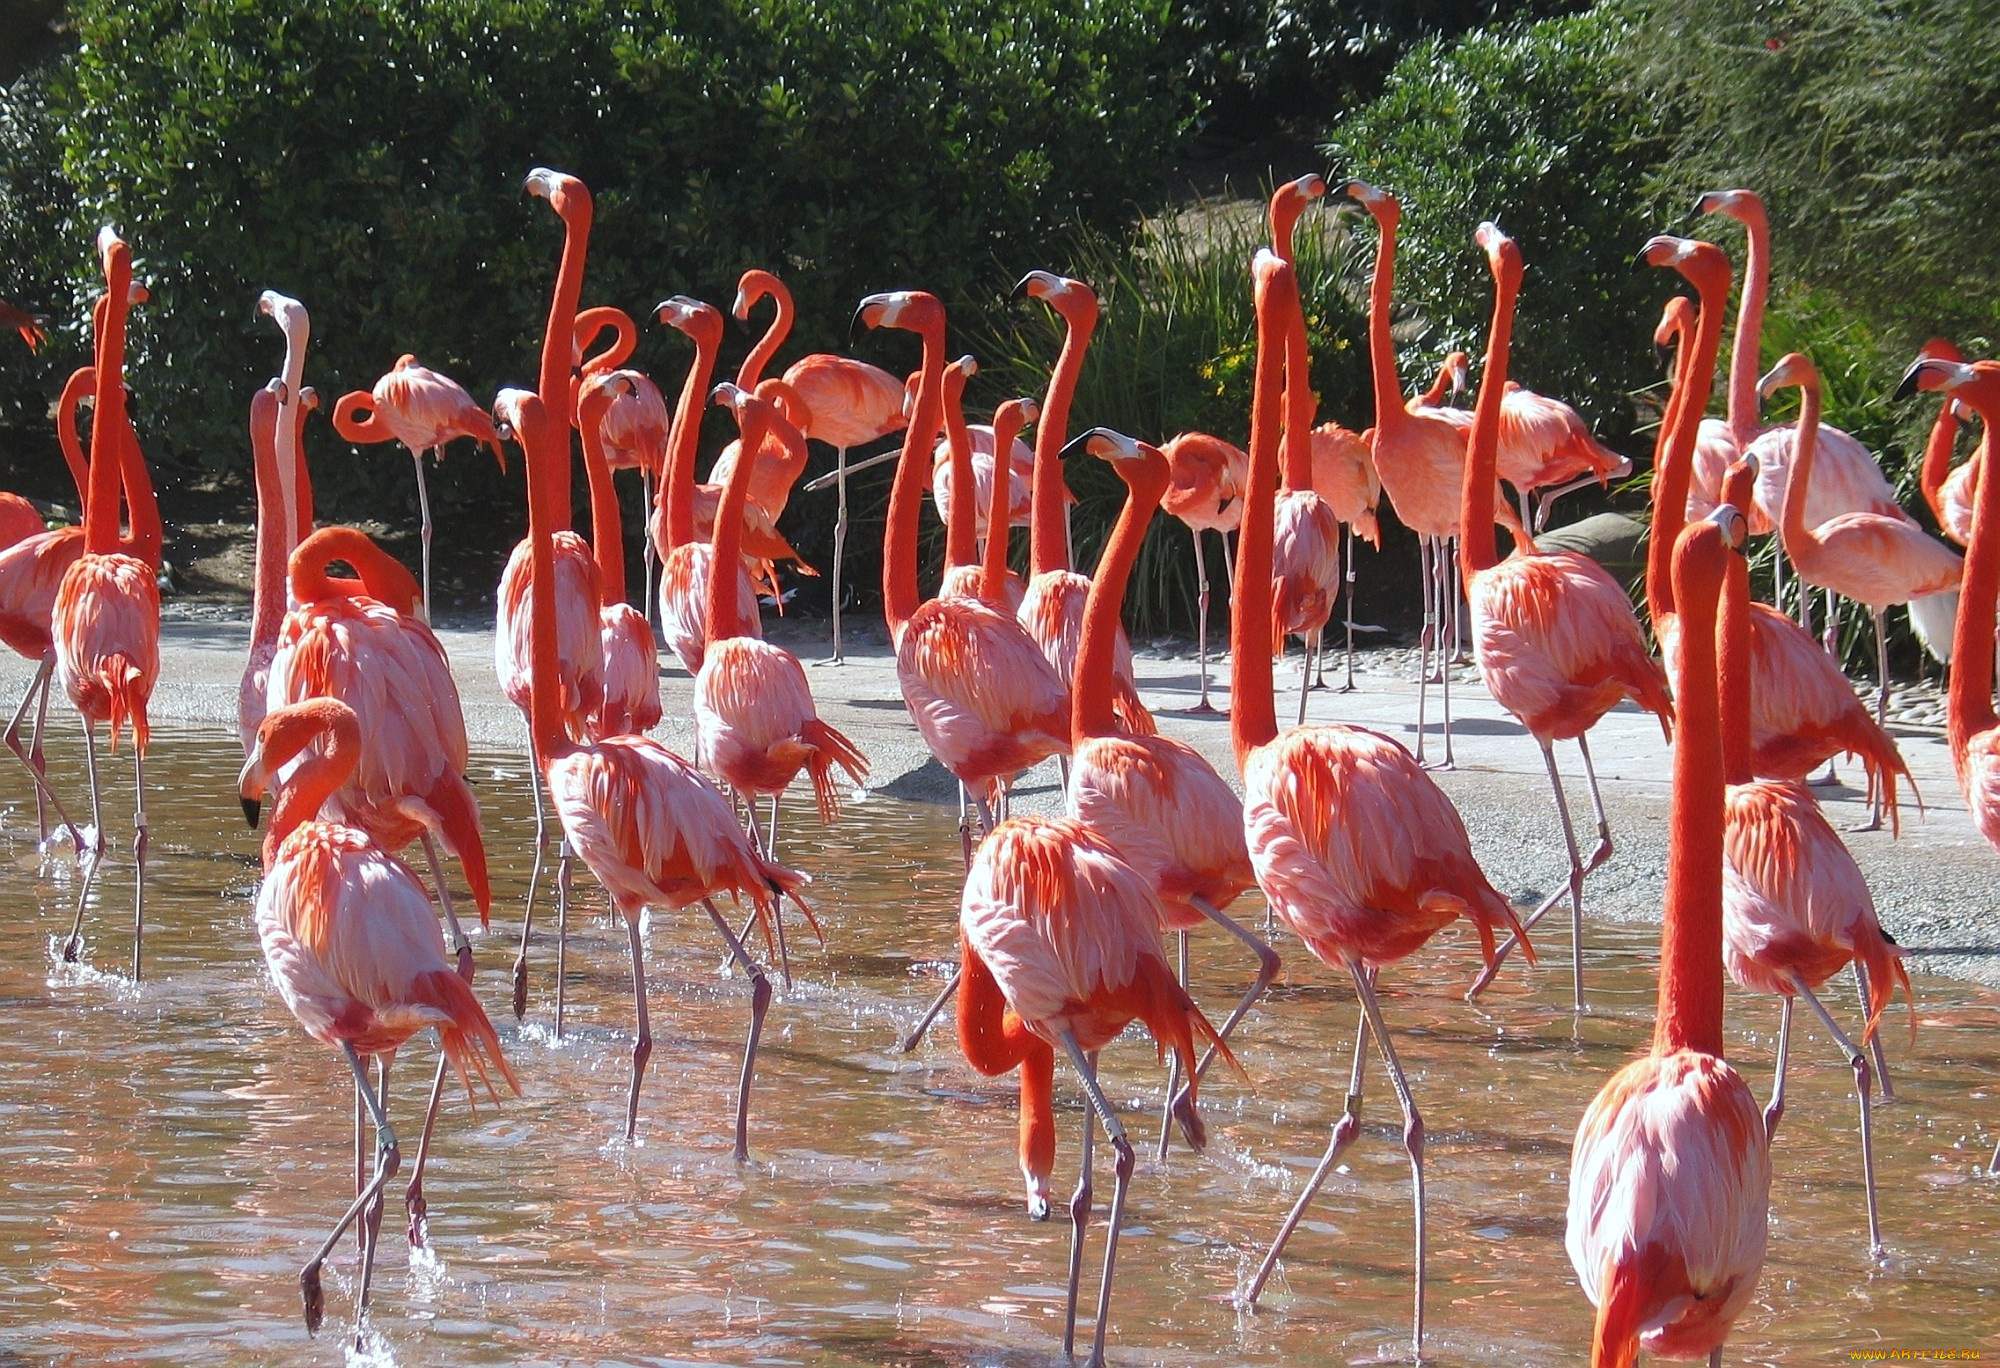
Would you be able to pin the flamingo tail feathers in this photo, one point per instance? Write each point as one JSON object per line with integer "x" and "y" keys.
{"x": 458, "y": 827}
{"x": 123, "y": 684}
{"x": 1885, "y": 971}
{"x": 1614, "y": 1341}
{"x": 469, "y": 1040}
{"x": 830, "y": 748}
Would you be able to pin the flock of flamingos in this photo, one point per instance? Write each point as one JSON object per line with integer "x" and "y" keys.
{"x": 351, "y": 720}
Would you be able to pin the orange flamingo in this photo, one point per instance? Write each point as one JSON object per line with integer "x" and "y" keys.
{"x": 1160, "y": 804}
{"x": 33, "y": 327}
{"x": 755, "y": 723}
{"x": 1555, "y": 636}
{"x": 1869, "y": 557}
{"x": 966, "y": 560}
{"x": 1795, "y": 907}
{"x": 1972, "y": 728}
{"x": 277, "y": 415}
{"x": 106, "y": 618}
{"x": 349, "y": 939}
{"x": 1950, "y": 492}
{"x": 1052, "y": 605}
{"x": 425, "y": 411}
{"x": 1205, "y": 491}
{"x": 1353, "y": 844}
{"x": 1670, "y": 1175}
{"x": 1060, "y": 945}
{"x": 684, "y": 558}
{"x": 631, "y": 698}
{"x": 1343, "y": 471}
{"x": 646, "y": 823}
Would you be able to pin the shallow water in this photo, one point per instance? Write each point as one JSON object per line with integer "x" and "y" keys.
{"x": 173, "y": 1151}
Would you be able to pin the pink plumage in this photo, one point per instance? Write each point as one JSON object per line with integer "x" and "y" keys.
{"x": 579, "y": 643}
{"x": 985, "y": 700}
{"x": 851, "y": 402}
{"x": 781, "y": 459}
{"x": 1020, "y": 466}
{"x": 1876, "y": 560}
{"x": 635, "y": 422}
{"x": 1343, "y": 473}
{"x": 631, "y": 700}
{"x": 683, "y": 600}
{"x": 1845, "y": 478}
{"x": 1052, "y": 612}
{"x": 423, "y": 408}
{"x": 1714, "y": 452}
{"x": 107, "y": 641}
{"x": 1421, "y": 465}
{"x": 31, "y": 571}
{"x": 1545, "y": 442}
{"x": 756, "y": 725}
{"x": 1305, "y": 563}
{"x": 18, "y": 520}
{"x": 1206, "y": 488}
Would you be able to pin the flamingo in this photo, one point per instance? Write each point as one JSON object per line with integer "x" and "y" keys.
{"x": 425, "y": 411}
{"x": 1160, "y": 804}
{"x": 1670, "y": 1174}
{"x": 848, "y": 403}
{"x": 1343, "y": 472}
{"x": 1353, "y": 844}
{"x": 755, "y": 722}
{"x": 1306, "y": 545}
{"x": 1205, "y": 491}
{"x": 1052, "y": 605}
{"x": 631, "y": 698}
{"x": 277, "y": 413}
{"x": 1555, "y": 636}
{"x": 106, "y": 617}
{"x": 1950, "y": 492}
{"x": 32, "y": 327}
{"x": 632, "y": 427}
{"x": 1060, "y": 946}
{"x": 684, "y": 559}
{"x": 1795, "y": 907}
{"x": 349, "y": 939}
{"x": 1971, "y": 727}
{"x": 1869, "y": 557}
{"x": 961, "y": 575}
{"x": 652, "y": 830}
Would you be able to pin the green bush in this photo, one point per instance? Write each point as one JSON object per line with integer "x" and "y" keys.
{"x": 1541, "y": 130}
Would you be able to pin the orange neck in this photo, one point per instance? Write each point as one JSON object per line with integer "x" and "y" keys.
{"x": 82, "y": 384}
{"x": 1734, "y": 677}
{"x": 607, "y": 528}
{"x": 1969, "y": 696}
{"x": 381, "y": 576}
{"x": 1744, "y": 361}
{"x": 961, "y": 537}
{"x": 1938, "y": 450}
{"x": 146, "y": 536}
{"x": 1048, "y": 547}
{"x": 1389, "y": 411}
{"x": 320, "y": 773}
{"x": 267, "y": 604}
{"x": 752, "y": 369}
{"x": 1007, "y": 423}
{"x": 548, "y": 476}
{"x": 1792, "y": 529}
{"x": 573, "y": 204}
{"x": 899, "y": 543}
{"x": 723, "y": 616}
{"x": 107, "y": 420}
{"x": 1253, "y": 707}
{"x": 1299, "y": 403}
{"x": 677, "y": 488}
{"x": 1479, "y": 547}
{"x": 1689, "y": 1014}
{"x": 593, "y": 323}
{"x": 302, "y": 490}
{"x": 1673, "y": 467}
{"x": 1286, "y": 208}
{"x": 1146, "y": 480}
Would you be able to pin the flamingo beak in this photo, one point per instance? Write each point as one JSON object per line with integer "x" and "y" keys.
{"x": 250, "y": 786}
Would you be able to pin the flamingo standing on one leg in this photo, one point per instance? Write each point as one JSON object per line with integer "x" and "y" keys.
{"x": 424, "y": 410}
{"x": 1556, "y": 639}
{"x": 1670, "y": 1175}
{"x": 1060, "y": 946}
{"x": 1205, "y": 492}
{"x": 1353, "y": 844}
{"x": 1159, "y": 803}
{"x": 106, "y": 618}
{"x": 645, "y": 822}
{"x": 349, "y": 939}
{"x": 1795, "y": 907}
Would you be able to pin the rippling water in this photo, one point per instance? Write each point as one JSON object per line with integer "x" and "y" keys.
{"x": 173, "y": 1151}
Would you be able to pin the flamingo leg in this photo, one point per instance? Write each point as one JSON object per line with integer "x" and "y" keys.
{"x": 1574, "y": 888}
{"x": 1268, "y": 964}
{"x": 938, "y": 1004}
{"x": 1857, "y": 1059}
{"x": 562, "y": 932}
{"x": 1448, "y": 606}
{"x": 1774, "y": 1110}
{"x": 1344, "y": 1132}
{"x": 642, "y": 1047}
{"x": 1201, "y": 620}
{"x": 1875, "y": 1044}
{"x": 1877, "y": 797}
{"x": 424, "y": 530}
{"x": 1413, "y": 1130}
{"x": 534, "y": 879}
{"x": 456, "y": 940}
{"x": 1079, "y": 1222}
{"x": 1521, "y": 498}
{"x": 767, "y": 847}
{"x": 1305, "y": 673}
{"x": 839, "y": 541}
{"x": 1425, "y": 550}
{"x": 1121, "y": 1147}
{"x": 646, "y": 558}
{"x": 414, "y": 1205}
{"x": 760, "y": 1002}
{"x": 38, "y": 692}
{"x": 1347, "y": 539}
{"x": 40, "y": 761}
{"x": 73, "y": 947}
{"x": 387, "y": 1160}
{"x": 138, "y": 854}
{"x": 1319, "y": 655}
{"x": 1174, "y": 1059}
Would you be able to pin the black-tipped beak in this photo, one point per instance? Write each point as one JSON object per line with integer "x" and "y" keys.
{"x": 253, "y": 808}
{"x": 1020, "y": 289}
{"x": 854, "y": 323}
{"x": 1077, "y": 445}
{"x": 1908, "y": 385}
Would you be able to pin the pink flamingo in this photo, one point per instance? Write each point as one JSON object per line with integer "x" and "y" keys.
{"x": 1670, "y": 1175}
{"x": 1205, "y": 491}
{"x": 1343, "y": 472}
{"x": 1547, "y": 449}
{"x": 632, "y": 427}
{"x": 1160, "y": 804}
{"x": 1950, "y": 492}
{"x": 106, "y": 617}
{"x": 424, "y": 410}
{"x": 968, "y": 564}
{"x": 1052, "y": 605}
{"x": 349, "y": 939}
{"x": 1353, "y": 844}
{"x": 277, "y": 415}
{"x": 647, "y": 824}
{"x": 1555, "y": 636}
{"x": 1060, "y": 945}
{"x": 1795, "y": 907}
{"x": 631, "y": 698}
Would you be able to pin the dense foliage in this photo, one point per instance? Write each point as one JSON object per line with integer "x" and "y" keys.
{"x": 1541, "y": 130}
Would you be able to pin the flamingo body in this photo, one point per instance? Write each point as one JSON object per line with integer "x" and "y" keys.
{"x": 423, "y": 408}
{"x": 1020, "y": 468}
{"x": 107, "y": 640}
{"x": 635, "y": 422}
{"x": 1876, "y": 560}
{"x": 31, "y": 572}
{"x": 1305, "y": 563}
{"x": 1544, "y": 442}
{"x": 1845, "y": 478}
{"x": 983, "y": 696}
{"x": 579, "y": 640}
{"x": 631, "y": 673}
{"x": 1343, "y": 473}
{"x": 1206, "y": 482}
{"x": 684, "y": 594}
{"x": 851, "y": 402}
{"x": 781, "y": 459}
{"x": 756, "y": 725}
{"x": 1052, "y": 611}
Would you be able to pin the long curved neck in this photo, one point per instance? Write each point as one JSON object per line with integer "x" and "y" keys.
{"x": 961, "y": 537}
{"x": 267, "y": 604}
{"x": 1792, "y": 528}
{"x": 82, "y": 383}
{"x": 1969, "y": 697}
{"x": 379, "y": 575}
{"x": 607, "y": 529}
{"x": 722, "y": 616}
{"x": 145, "y": 536}
{"x": 1744, "y": 362}
{"x": 1253, "y": 706}
{"x": 1936, "y": 466}
{"x": 1048, "y": 547}
{"x": 752, "y": 369}
{"x": 1297, "y": 446}
{"x": 107, "y": 419}
{"x": 1479, "y": 546}
{"x": 302, "y": 505}
{"x": 1689, "y": 1013}
{"x": 999, "y": 505}
{"x": 319, "y": 775}
{"x": 592, "y": 323}
{"x": 899, "y": 545}
{"x": 548, "y": 479}
{"x": 677, "y": 489}
{"x": 1091, "y": 713}
{"x": 1389, "y": 410}
{"x": 1673, "y": 467}
{"x": 287, "y": 424}
{"x": 559, "y": 336}
{"x": 1734, "y": 678}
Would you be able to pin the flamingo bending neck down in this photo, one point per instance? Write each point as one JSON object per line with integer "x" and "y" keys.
{"x": 1205, "y": 491}
{"x": 1670, "y": 1174}
{"x": 1354, "y": 845}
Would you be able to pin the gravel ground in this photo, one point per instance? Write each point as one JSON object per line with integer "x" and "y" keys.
{"x": 1933, "y": 885}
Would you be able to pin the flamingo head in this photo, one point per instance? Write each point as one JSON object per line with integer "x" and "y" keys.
{"x": 1741, "y": 205}
{"x": 1676, "y": 321}
{"x": 1792, "y": 369}
{"x": 911, "y": 310}
{"x": 1941, "y": 373}
{"x": 698, "y": 320}
{"x": 518, "y": 416}
{"x": 565, "y": 193}
{"x": 1268, "y": 270}
{"x": 1457, "y": 366}
{"x": 753, "y": 287}
{"x": 1701, "y": 557}
{"x": 1501, "y": 253}
{"x": 308, "y": 397}
{"x": 1729, "y": 520}
{"x": 1074, "y": 300}
{"x": 287, "y": 731}
{"x": 290, "y": 315}
{"x": 1139, "y": 464}
{"x": 1382, "y": 205}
